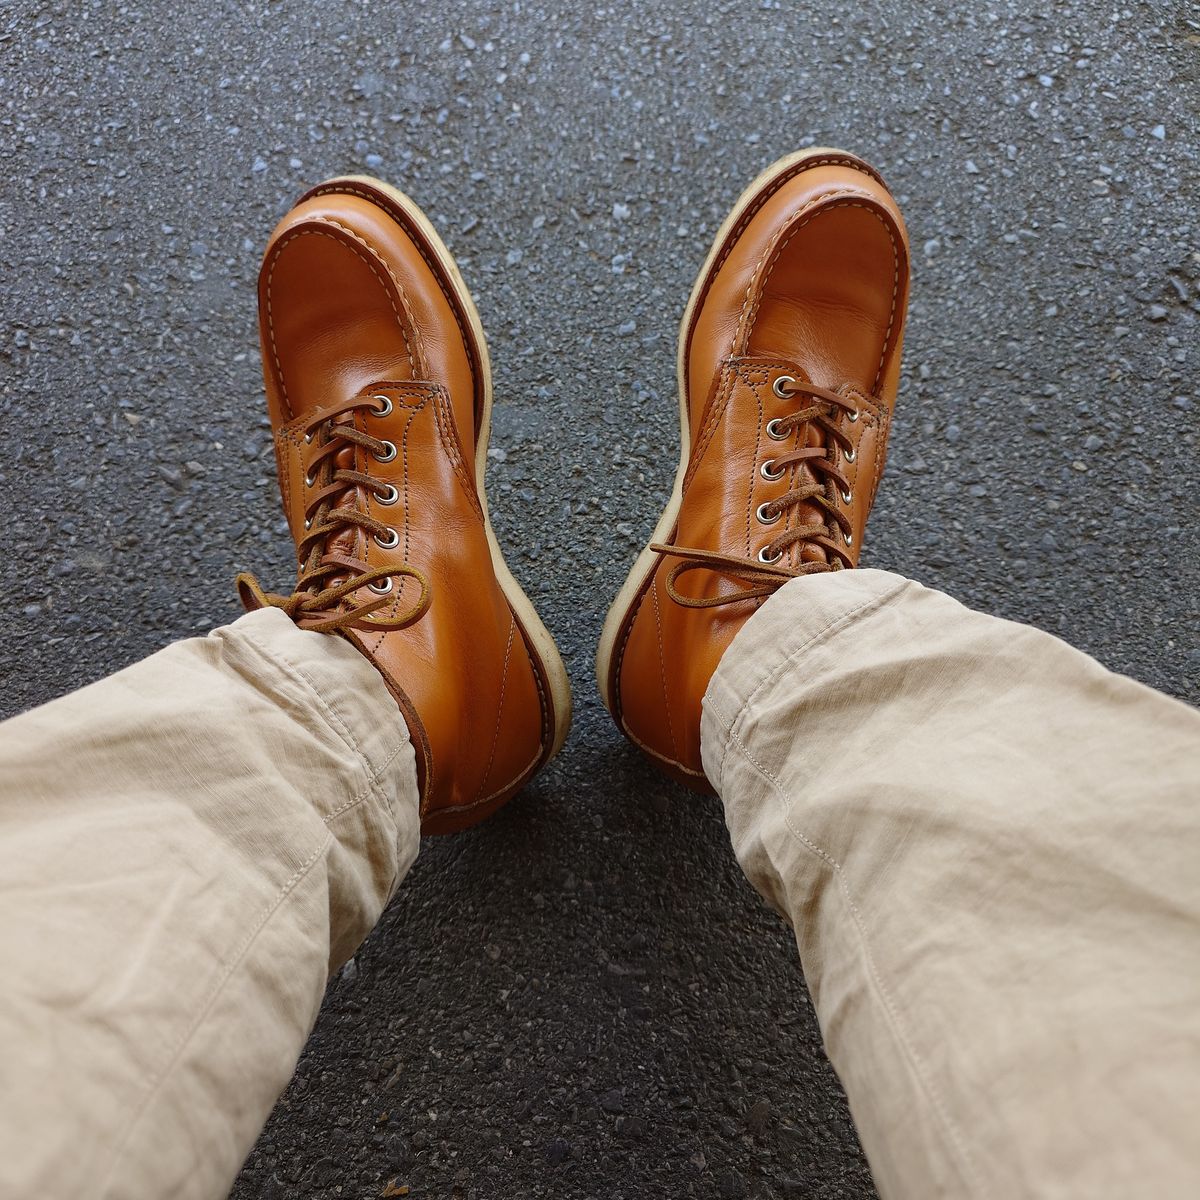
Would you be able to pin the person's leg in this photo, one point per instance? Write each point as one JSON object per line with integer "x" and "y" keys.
{"x": 187, "y": 850}
{"x": 988, "y": 847}
{"x": 190, "y": 847}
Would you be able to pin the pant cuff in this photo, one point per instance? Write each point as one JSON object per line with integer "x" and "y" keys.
{"x": 340, "y": 688}
{"x": 800, "y": 615}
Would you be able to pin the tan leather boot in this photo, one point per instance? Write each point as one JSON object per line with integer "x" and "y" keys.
{"x": 379, "y": 391}
{"x": 789, "y": 360}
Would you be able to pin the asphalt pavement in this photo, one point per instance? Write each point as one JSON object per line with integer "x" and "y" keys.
{"x": 583, "y": 998}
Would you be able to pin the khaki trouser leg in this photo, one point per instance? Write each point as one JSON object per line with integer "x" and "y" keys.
{"x": 187, "y": 849}
{"x": 989, "y": 848}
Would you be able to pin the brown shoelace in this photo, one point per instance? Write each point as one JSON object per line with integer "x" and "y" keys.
{"x": 766, "y": 573}
{"x": 328, "y": 577}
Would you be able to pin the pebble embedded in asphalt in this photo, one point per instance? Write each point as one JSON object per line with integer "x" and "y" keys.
{"x": 596, "y": 939}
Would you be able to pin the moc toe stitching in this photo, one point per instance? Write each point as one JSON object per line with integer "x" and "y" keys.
{"x": 368, "y": 255}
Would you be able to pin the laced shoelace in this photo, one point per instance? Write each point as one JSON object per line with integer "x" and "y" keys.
{"x": 766, "y": 573}
{"x": 327, "y": 576}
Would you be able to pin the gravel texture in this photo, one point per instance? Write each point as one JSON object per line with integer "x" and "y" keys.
{"x": 583, "y": 998}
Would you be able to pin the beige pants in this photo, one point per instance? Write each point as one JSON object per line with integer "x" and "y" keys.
{"x": 989, "y": 848}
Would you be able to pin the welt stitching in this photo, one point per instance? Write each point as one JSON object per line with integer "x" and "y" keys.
{"x": 917, "y": 1063}
{"x": 678, "y": 766}
{"x": 520, "y": 776}
{"x": 535, "y": 661}
{"x": 291, "y": 236}
{"x": 396, "y": 212}
{"x": 512, "y": 626}
{"x": 662, "y": 667}
{"x": 834, "y": 160}
{"x": 777, "y": 253}
{"x": 750, "y": 303}
{"x": 408, "y": 312}
{"x": 631, "y": 618}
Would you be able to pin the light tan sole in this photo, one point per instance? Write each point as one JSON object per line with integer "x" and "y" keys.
{"x": 647, "y": 560}
{"x": 543, "y": 642}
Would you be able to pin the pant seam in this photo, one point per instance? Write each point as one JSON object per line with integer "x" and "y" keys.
{"x": 335, "y": 721}
{"x": 961, "y": 1152}
{"x": 371, "y": 788}
{"x": 273, "y": 906}
{"x": 333, "y": 717}
{"x": 842, "y": 619}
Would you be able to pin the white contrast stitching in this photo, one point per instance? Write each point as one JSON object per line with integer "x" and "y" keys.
{"x": 841, "y": 619}
{"x": 308, "y": 231}
{"x": 966, "y": 1165}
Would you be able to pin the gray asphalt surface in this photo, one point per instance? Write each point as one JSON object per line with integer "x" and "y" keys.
{"x": 584, "y": 998}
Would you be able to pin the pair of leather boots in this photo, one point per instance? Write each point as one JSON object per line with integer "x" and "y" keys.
{"x": 379, "y": 390}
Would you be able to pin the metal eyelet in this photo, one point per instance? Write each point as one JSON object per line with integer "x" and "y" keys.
{"x": 308, "y": 437}
{"x": 385, "y": 410}
{"x": 389, "y": 496}
{"x": 849, "y": 539}
{"x": 847, "y": 495}
{"x": 390, "y": 544}
{"x": 309, "y": 480}
{"x": 766, "y": 519}
{"x": 768, "y": 472}
{"x": 380, "y": 587}
{"x": 773, "y": 430}
{"x": 389, "y": 452}
{"x": 852, "y": 416}
{"x": 308, "y": 522}
{"x": 764, "y": 557}
{"x": 779, "y": 384}
{"x": 851, "y": 454}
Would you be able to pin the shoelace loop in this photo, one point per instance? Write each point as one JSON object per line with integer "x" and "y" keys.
{"x": 328, "y": 578}
{"x": 766, "y": 573}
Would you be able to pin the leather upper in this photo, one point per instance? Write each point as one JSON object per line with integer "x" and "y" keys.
{"x": 355, "y": 302}
{"x": 808, "y": 287}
